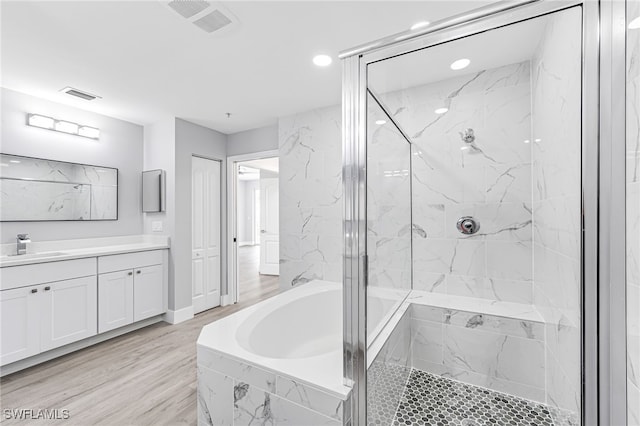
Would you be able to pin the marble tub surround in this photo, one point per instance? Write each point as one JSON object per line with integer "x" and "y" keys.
{"x": 633, "y": 217}
{"x": 308, "y": 352}
{"x": 310, "y": 197}
{"x": 79, "y": 248}
{"x": 285, "y": 372}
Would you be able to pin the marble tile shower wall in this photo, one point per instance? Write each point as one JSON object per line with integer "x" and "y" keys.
{"x": 388, "y": 204}
{"x": 556, "y": 115}
{"x": 489, "y": 179}
{"x": 388, "y": 374}
{"x": 633, "y": 217}
{"x": 310, "y": 197}
{"x": 483, "y": 350}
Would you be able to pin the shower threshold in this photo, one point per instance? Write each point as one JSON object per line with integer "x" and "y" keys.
{"x": 434, "y": 400}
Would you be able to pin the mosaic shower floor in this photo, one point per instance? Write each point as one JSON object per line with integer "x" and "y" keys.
{"x": 433, "y": 400}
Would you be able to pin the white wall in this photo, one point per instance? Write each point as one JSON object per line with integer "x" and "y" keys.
{"x": 192, "y": 139}
{"x": 254, "y": 140}
{"x": 120, "y": 146}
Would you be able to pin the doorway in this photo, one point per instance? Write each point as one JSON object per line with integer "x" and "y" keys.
{"x": 254, "y": 225}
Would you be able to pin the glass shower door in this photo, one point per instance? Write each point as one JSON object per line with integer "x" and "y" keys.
{"x": 474, "y": 228}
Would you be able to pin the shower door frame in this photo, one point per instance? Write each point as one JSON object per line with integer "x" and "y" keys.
{"x": 603, "y": 344}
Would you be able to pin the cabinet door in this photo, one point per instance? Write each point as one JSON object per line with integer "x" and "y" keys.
{"x": 69, "y": 312}
{"x": 115, "y": 299}
{"x": 20, "y": 327}
{"x": 148, "y": 297}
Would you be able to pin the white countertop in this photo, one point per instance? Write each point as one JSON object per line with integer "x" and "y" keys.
{"x": 54, "y": 251}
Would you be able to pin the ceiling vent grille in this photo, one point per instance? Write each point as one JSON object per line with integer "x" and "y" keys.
{"x": 79, "y": 94}
{"x": 188, "y": 8}
{"x": 213, "y": 21}
{"x": 209, "y": 16}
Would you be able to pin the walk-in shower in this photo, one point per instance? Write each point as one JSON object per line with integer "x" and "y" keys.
{"x": 471, "y": 186}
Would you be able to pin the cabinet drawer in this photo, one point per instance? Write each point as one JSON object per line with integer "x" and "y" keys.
{"x": 40, "y": 273}
{"x": 120, "y": 262}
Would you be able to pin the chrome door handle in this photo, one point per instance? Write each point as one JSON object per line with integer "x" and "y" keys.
{"x": 129, "y": 273}
{"x": 138, "y": 271}
{"x": 262, "y": 231}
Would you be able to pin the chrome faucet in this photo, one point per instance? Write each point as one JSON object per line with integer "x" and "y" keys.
{"x": 22, "y": 241}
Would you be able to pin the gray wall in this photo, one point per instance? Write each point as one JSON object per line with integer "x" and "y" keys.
{"x": 254, "y": 140}
{"x": 191, "y": 139}
{"x": 120, "y": 146}
{"x": 159, "y": 153}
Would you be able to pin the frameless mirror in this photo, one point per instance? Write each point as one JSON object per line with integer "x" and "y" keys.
{"x": 153, "y": 191}
{"x": 36, "y": 189}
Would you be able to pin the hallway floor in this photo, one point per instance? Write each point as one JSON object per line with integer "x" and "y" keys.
{"x": 251, "y": 283}
{"x": 147, "y": 377}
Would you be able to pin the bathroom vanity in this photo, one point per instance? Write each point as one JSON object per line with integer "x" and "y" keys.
{"x": 84, "y": 292}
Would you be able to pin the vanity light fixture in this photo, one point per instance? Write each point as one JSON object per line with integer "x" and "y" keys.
{"x": 460, "y": 64}
{"x": 420, "y": 24}
{"x": 441, "y": 110}
{"x": 381, "y": 122}
{"x": 63, "y": 126}
{"x": 322, "y": 60}
{"x": 66, "y": 127}
{"x": 635, "y": 24}
{"x": 41, "y": 121}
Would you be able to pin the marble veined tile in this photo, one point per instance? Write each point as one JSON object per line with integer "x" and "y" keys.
{"x": 309, "y": 397}
{"x": 253, "y": 405}
{"x": 240, "y": 371}
{"x": 495, "y": 355}
{"x": 215, "y": 398}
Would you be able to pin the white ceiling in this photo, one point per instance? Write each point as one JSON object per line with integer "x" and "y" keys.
{"x": 148, "y": 63}
{"x": 269, "y": 164}
{"x": 509, "y": 45}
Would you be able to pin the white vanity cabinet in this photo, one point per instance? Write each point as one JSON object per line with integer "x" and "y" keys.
{"x": 45, "y": 306}
{"x": 131, "y": 287}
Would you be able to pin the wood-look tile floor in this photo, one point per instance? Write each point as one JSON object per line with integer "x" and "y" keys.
{"x": 147, "y": 377}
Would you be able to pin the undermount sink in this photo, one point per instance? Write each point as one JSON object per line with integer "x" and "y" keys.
{"x": 35, "y": 255}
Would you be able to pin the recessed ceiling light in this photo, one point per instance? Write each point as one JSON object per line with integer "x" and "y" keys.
{"x": 381, "y": 122}
{"x": 460, "y": 64}
{"x": 322, "y": 60}
{"x": 635, "y": 24}
{"x": 527, "y": 141}
{"x": 441, "y": 110}
{"x": 420, "y": 24}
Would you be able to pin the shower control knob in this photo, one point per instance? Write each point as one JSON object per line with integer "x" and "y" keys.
{"x": 468, "y": 225}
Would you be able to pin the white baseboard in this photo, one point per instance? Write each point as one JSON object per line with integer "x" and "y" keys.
{"x": 225, "y": 300}
{"x": 246, "y": 243}
{"x": 181, "y": 315}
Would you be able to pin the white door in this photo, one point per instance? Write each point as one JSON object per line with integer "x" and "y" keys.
{"x": 269, "y": 227}
{"x": 69, "y": 312}
{"x": 147, "y": 292}
{"x": 20, "y": 327}
{"x": 115, "y": 298}
{"x": 205, "y": 239}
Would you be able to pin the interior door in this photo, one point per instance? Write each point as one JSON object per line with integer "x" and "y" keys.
{"x": 269, "y": 227}
{"x": 205, "y": 239}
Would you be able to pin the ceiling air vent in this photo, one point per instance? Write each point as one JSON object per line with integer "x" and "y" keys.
{"x": 209, "y": 16}
{"x": 188, "y": 8}
{"x": 213, "y": 21}
{"x": 79, "y": 94}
